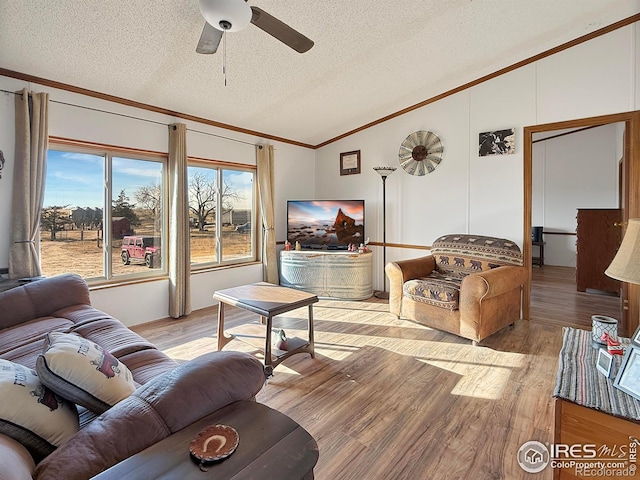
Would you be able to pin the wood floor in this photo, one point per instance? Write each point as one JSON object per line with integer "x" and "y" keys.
{"x": 391, "y": 399}
{"x": 554, "y": 299}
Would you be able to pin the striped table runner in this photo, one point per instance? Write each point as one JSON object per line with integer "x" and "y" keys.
{"x": 580, "y": 382}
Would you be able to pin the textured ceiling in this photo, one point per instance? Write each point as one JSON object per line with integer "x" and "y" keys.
{"x": 371, "y": 58}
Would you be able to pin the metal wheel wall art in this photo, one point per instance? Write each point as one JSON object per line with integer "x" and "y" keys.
{"x": 420, "y": 153}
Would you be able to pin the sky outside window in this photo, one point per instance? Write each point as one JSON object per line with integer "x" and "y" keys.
{"x": 76, "y": 179}
{"x": 131, "y": 175}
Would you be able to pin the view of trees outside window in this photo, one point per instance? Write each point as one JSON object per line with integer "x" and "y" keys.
{"x": 237, "y": 243}
{"x": 74, "y": 215}
{"x": 203, "y": 188}
{"x": 72, "y": 223}
{"x": 232, "y": 192}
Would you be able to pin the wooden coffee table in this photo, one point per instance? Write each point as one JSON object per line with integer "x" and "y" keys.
{"x": 272, "y": 446}
{"x": 267, "y": 300}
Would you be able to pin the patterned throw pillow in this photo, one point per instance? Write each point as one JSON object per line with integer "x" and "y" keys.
{"x": 31, "y": 413}
{"x": 83, "y": 372}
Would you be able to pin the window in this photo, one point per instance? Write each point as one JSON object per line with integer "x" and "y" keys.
{"x": 229, "y": 237}
{"x": 103, "y": 213}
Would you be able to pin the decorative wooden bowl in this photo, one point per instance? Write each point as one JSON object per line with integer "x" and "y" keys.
{"x": 214, "y": 443}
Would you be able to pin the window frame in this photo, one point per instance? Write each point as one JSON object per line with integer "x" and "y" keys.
{"x": 108, "y": 152}
{"x": 219, "y": 166}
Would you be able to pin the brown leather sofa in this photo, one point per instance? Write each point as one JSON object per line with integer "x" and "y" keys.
{"x": 167, "y": 398}
{"x": 470, "y": 285}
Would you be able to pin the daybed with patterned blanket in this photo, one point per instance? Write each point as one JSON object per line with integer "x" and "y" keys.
{"x": 470, "y": 285}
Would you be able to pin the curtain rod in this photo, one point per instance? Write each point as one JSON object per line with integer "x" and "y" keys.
{"x": 137, "y": 118}
{"x": 12, "y": 93}
{"x": 222, "y": 136}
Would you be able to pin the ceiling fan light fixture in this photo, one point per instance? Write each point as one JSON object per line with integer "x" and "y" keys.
{"x": 226, "y": 15}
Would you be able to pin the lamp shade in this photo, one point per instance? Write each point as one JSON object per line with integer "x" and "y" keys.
{"x": 384, "y": 171}
{"x": 625, "y": 266}
{"x": 226, "y": 15}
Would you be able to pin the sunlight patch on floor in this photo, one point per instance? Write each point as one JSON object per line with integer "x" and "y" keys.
{"x": 480, "y": 380}
{"x": 281, "y": 370}
{"x": 190, "y": 350}
{"x": 334, "y": 351}
{"x": 355, "y": 317}
{"x": 483, "y": 373}
{"x": 488, "y": 383}
{"x": 353, "y": 305}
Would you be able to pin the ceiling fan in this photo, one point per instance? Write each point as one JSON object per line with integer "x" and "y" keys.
{"x": 234, "y": 15}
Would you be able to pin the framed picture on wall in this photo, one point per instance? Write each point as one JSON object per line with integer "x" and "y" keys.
{"x": 498, "y": 142}
{"x": 350, "y": 163}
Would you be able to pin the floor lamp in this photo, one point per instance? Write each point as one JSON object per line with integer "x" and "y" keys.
{"x": 384, "y": 172}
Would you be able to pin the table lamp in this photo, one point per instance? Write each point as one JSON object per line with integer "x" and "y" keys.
{"x": 625, "y": 266}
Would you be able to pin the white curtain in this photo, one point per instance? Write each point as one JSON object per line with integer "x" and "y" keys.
{"x": 32, "y": 143}
{"x": 179, "y": 251}
{"x": 265, "y": 163}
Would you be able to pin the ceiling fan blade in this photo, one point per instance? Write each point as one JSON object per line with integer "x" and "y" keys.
{"x": 209, "y": 39}
{"x": 280, "y": 30}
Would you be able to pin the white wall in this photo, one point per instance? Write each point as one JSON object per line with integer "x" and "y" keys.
{"x": 593, "y": 78}
{"x": 468, "y": 193}
{"x": 143, "y": 302}
{"x": 496, "y": 185}
{"x": 578, "y": 170}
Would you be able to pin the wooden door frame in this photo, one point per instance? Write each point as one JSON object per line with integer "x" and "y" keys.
{"x": 632, "y": 154}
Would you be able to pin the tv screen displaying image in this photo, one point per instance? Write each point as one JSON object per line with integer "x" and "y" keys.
{"x": 325, "y": 223}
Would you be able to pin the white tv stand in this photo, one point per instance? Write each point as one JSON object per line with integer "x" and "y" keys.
{"x": 328, "y": 274}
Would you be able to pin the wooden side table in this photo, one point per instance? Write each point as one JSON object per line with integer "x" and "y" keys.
{"x": 589, "y": 410}
{"x": 267, "y": 300}
{"x": 272, "y": 447}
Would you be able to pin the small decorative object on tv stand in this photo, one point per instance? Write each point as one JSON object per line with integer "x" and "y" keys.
{"x": 384, "y": 172}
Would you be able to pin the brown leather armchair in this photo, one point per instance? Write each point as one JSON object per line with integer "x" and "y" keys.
{"x": 470, "y": 285}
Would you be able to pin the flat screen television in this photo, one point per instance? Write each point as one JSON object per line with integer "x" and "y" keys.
{"x": 325, "y": 224}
